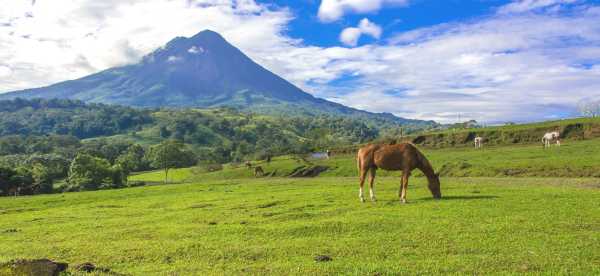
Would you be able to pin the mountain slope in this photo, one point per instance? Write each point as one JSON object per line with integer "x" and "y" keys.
{"x": 200, "y": 71}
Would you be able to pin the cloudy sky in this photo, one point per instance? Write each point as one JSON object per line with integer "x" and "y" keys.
{"x": 488, "y": 60}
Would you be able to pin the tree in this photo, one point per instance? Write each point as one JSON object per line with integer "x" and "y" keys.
{"x": 91, "y": 173}
{"x": 42, "y": 179}
{"x": 589, "y": 108}
{"x": 5, "y": 176}
{"x": 170, "y": 154}
{"x": 133, "y": 159}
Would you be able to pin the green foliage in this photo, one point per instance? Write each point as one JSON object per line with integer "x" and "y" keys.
{"x": 68, "y": 117}
{"x": 134, "y": 159}
{"x": 92, "y": 173}
{"x": 42, "y": 178}
{"x": 171, "y": 154}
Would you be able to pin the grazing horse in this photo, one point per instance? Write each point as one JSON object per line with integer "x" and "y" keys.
{"x": 398, "y": 157}
{"x": 258, "y": 171}
{"x": 14, "y": 190}
{"x": 477, "y": 142}
{"x": 549, "y": 137}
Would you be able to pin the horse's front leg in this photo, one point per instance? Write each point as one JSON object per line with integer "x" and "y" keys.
{"x": 404, "y": 186}
{"x": 371, "y": 184}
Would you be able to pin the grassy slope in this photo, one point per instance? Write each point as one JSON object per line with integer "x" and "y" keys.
{"x": 278, "y": 225}
{"x": 516, "y": 127}
{"x": 573, "y": 159}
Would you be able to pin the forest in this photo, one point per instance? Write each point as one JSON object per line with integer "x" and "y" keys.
{"x": 66, "y": 145}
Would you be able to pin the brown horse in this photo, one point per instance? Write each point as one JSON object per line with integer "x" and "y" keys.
{"x": 399, "y": 157}
{"x": 258, "y": 171}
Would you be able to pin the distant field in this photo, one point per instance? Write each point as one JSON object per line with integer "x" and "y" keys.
{"x": 573, "y": 159}
{"x": 278, "y": 225}
{"x": 516, "y": 127}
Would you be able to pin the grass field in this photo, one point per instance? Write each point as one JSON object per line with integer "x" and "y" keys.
{"x": 278, "y": 225}
{"x": 572, "y": 159}
{"x": 229, "y": 223}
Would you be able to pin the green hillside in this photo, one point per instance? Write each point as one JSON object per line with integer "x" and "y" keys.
{"x": 577, "y": 129}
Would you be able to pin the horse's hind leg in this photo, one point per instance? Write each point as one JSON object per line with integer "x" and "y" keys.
{"x": 371, "y": 184}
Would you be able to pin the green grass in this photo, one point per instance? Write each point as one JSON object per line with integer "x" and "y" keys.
{"x": 572, "y": 159}
{"x": 518, "y": 127}
{"x": 278, "y": 225}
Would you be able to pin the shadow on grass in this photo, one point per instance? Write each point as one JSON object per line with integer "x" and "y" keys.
{"x": 465, "y": 197}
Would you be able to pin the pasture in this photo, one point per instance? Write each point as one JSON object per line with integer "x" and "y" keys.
{"x": 279, "y": 225}
{"x": 573, "y": 159}
{"x": 228, "y": 222}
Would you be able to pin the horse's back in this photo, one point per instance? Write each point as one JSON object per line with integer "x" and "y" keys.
{"x": 396, "y": 157}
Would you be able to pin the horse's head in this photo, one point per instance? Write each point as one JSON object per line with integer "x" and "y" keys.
{"x": 434, "y": 186}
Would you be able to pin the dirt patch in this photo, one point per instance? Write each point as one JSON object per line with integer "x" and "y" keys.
{"x": 308, "y": 171}
{"x": 38, "y": 267}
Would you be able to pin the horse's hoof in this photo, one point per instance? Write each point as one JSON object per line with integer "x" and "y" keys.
{"x": 403, "y": 201}
{"x": 374, "y": 199}
{"x": 362, "y": 199}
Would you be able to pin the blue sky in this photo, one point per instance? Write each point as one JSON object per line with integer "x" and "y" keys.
{"x": 393, "y": 19}
{"x": 489, "y": 60}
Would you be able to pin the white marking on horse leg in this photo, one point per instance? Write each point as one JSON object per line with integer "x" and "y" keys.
{"x": 360, "y": 194}
{"x": 372, "y": 193}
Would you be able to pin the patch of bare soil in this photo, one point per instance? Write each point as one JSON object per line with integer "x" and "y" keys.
{"x": 38, "y": 267}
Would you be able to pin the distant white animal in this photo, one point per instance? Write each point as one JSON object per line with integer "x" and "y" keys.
{"x": 550, "y": 137}
{"x": 478, "y": 141}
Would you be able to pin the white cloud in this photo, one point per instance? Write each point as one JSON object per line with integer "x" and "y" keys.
{"x": 196, "y": 50}
{"x": 43, "y": 43}
{"x": 331, "y": 10}
{"x": 503, "y": 67}
{"x": 5, "y": 71}
{"x": 530, "y": 5}
{"x": 350, "y": 36}
{"x": 174, "y": 59}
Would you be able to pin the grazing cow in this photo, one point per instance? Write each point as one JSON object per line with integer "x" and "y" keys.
{"x": 478, "y": 142}
{"x": 550, "y": 137}
{"x": 258, "y": 171}
{"x": 399, "y": 157}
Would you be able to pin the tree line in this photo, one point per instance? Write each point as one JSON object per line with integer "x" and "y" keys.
{"x": 89, "y": 169}
{"x": 67, "y": 145}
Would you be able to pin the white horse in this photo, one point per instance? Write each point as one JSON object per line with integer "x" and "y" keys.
{"x": 478, "y": 140}
{"x": 549, "y": 137}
